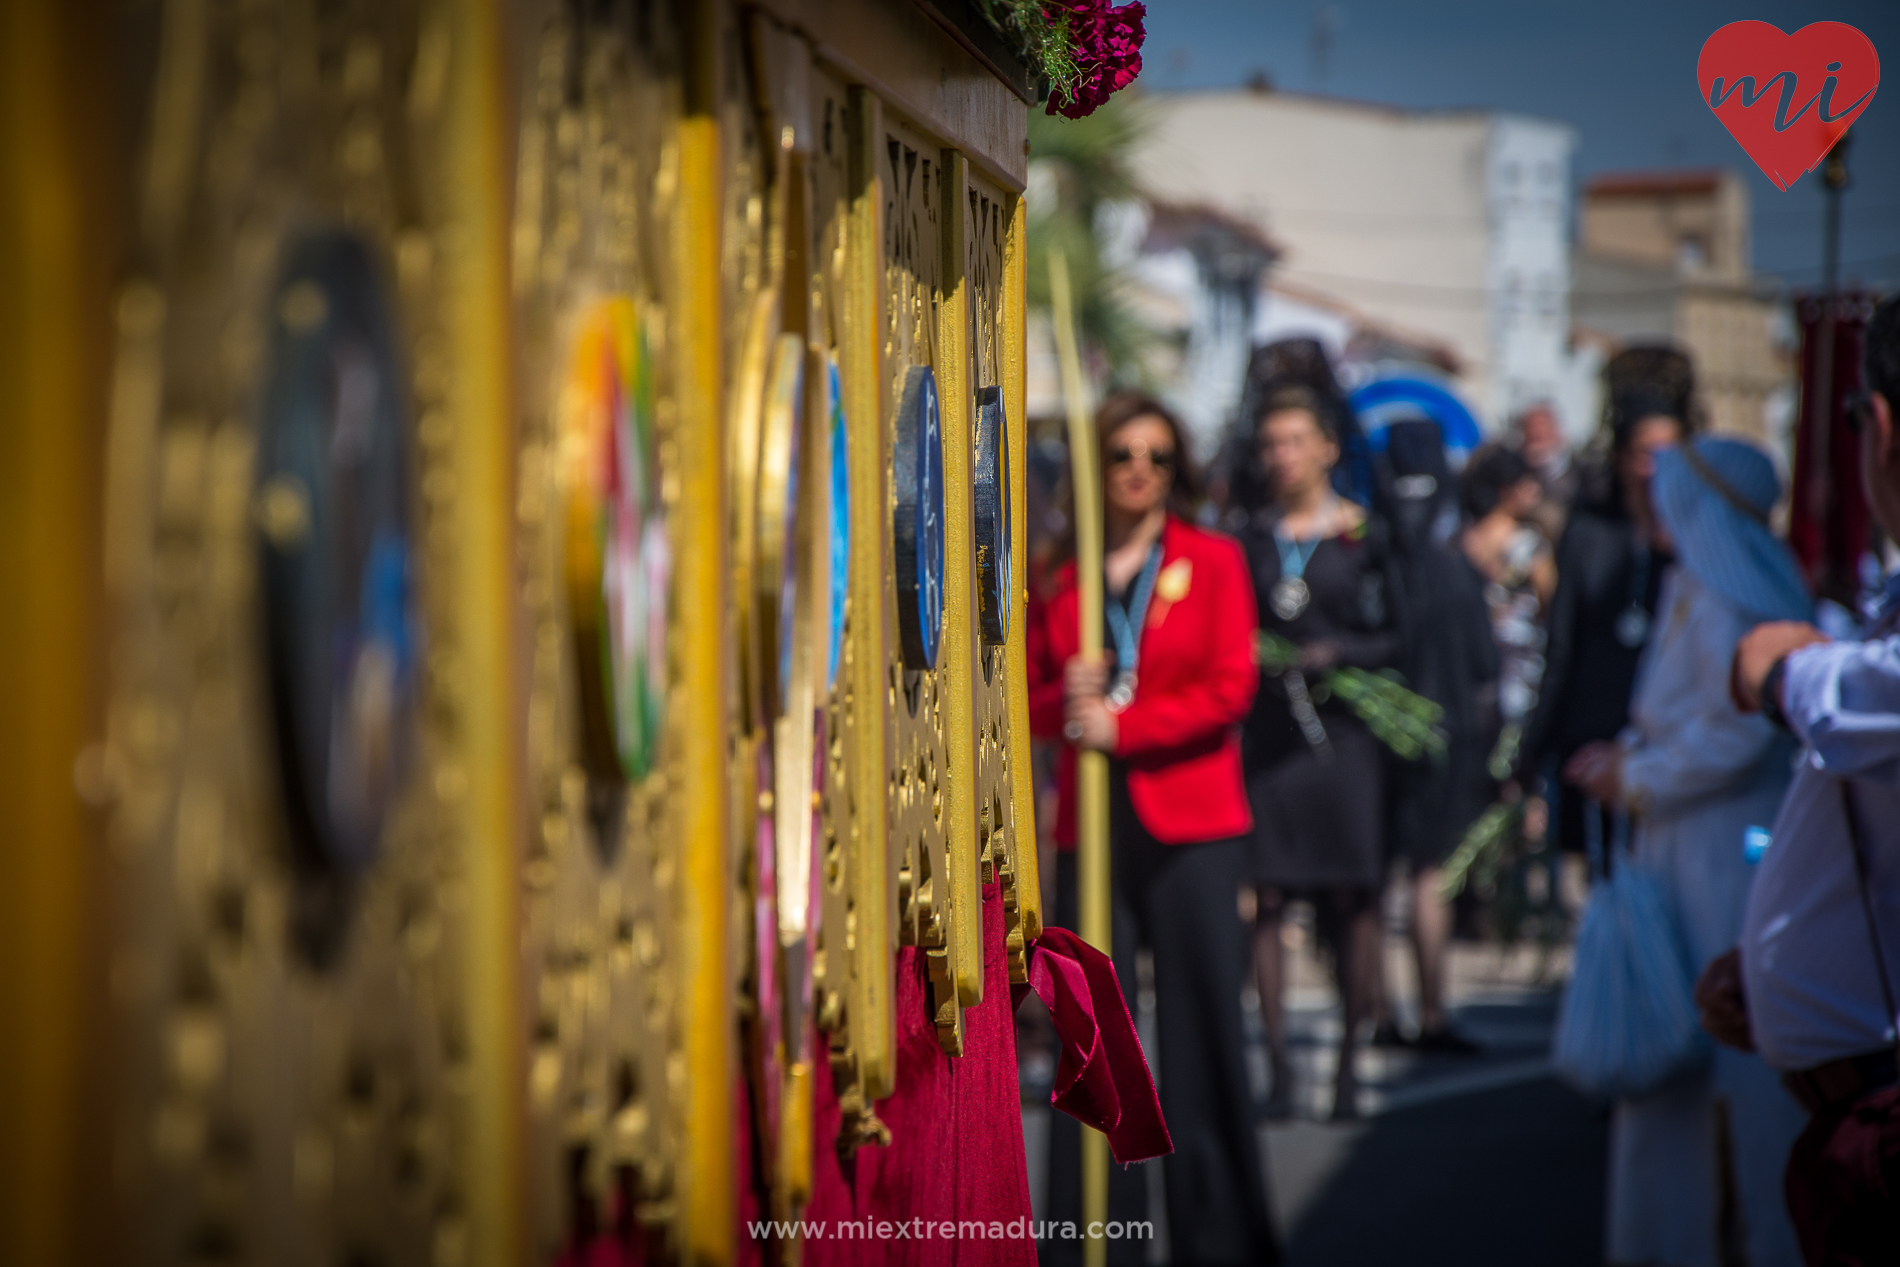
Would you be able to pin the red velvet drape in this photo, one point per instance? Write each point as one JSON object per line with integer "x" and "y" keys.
{"x": 956, "y": 1150}
{"x": 1828, "y": 517}
{"x": 952, "y": 1187}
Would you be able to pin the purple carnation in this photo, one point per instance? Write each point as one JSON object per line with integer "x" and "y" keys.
{"x": 1107, "y": 46}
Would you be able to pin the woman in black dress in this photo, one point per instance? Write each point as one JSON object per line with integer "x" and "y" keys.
{"x": 1610, "y": 565}
{"x": 1450, "y": 659}
{"x": 1314, "y": 772}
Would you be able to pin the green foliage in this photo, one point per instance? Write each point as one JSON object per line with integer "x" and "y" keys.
{"x": 1514, "y": 879}
{"x": 1398, "y": 717}
{"x": 1482, "y": 851}
{"x": 1046, "y": 46}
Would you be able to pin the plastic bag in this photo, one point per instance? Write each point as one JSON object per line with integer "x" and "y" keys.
{"x": 1629, "y": 1020}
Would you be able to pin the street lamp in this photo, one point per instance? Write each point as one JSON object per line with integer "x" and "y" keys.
{"x": 1834, "y": 180}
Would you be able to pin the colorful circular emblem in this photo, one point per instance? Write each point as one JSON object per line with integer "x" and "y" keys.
{"x": 334, "y": 550}
{"x": 618, "y": 561}
{"x": 917, "y": 527}
{"x": 991, "y": 490}
{"x": 840, "y": 568}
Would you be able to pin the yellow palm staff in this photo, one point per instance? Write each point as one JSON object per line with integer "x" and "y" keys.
{"x": 1091, "y": 768}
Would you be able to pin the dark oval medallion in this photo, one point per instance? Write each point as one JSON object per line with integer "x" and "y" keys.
{"x": 917, "y": 527}
{"x": 334, "y": 550}
{"x": 993, "y": 562}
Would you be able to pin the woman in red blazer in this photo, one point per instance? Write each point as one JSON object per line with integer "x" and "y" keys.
{"x": 1166, "y": 705}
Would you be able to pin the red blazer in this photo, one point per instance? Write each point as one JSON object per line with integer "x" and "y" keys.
{"x": 1180, "y": 736}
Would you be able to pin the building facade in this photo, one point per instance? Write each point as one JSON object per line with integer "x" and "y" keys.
{"x": 1663, "y": 256}
{"x": 1446, "y": 223}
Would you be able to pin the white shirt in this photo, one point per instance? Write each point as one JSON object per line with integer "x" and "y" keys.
{"x": 1808, "y": 963}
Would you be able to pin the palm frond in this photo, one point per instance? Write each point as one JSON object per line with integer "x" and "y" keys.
{"x": 1090, "y": 157}
{"x": 1087, "y": 166}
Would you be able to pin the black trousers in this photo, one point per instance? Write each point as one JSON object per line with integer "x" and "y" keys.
{"x": 1180, "y": 902}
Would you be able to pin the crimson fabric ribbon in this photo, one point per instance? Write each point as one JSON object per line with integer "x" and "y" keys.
{"x": 1102, "y": 1079}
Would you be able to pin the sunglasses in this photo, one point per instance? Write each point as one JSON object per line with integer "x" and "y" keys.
{"x": 1160, "y": 459}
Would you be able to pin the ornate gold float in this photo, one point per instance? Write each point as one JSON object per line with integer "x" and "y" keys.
{"x": 492, "y": 739}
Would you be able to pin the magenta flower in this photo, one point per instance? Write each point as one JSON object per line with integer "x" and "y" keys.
{"x": 1106, "y": 45}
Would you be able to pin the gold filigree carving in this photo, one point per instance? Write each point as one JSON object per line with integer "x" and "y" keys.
{"x": 267, "y": 1005}
{"x": 598, "y": 161}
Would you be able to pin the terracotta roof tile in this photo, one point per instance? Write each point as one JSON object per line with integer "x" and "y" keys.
{"x": 1680, "y": 180}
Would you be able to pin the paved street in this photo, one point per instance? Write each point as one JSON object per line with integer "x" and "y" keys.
{"x": 1467, "y": 1161}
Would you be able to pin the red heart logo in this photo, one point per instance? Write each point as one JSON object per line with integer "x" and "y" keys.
{"x": 1787, "y": 98}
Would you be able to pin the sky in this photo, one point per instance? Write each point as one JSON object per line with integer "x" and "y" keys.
{"x": 1622, "y": 72}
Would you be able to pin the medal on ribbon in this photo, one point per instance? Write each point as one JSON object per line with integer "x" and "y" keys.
{"x": 1289, "y": 597}
{"x": 1125, "y": 624}
{"x": 1632, "y": 627}
{"x": 1632, "y": 624}
{"x": 1290, "y": 594}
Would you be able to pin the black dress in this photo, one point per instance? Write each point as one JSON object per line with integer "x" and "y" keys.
{"x": 1449, "y": 656}
{"x": 1318, "y": 811}
{"x": 1590, "y": 671}
{"x": 1451, "y": 659}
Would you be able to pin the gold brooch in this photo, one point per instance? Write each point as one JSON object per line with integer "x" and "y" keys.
{"x": 1172, "y": 584}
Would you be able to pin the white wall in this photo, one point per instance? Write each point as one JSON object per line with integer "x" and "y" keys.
{"x": 1578, "y": 396}
{"x": 1406, "y": 216}
{"x": 1527, "y": 180}
{"x": 1383, "y": 208}
{"x": 1209, "y": 330}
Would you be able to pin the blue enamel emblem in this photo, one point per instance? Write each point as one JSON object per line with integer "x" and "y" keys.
{"x": 840, "y": 522}
{"x": 334, "y": 553}
{"x": 993, "y": 563}
{"x": 917, "y": 527}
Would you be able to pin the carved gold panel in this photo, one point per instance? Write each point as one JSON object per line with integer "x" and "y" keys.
{"x": 596, "y": 180}
{"x": 310, "y": 812}
{"x": 856, "y": 976}
{"x": 892, "y": 249}
{"x": 564, "y": 362}
{"x": 986, "y": 220}
{"x": 639, "y": 235}
{"x": 930, "y": 896}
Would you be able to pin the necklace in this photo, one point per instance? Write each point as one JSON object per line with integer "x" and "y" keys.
{"x": 1632, "y": 624}
{"x": 1290, "y": 594}
{"x": 1125, "y": 622}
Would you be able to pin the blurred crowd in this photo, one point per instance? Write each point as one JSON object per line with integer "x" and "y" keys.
{"x": 1377, "y": 669}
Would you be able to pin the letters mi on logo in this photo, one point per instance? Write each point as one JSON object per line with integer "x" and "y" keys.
{"x": 1787, "y": 98}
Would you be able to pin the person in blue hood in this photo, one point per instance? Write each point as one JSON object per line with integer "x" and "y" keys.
{"x": 1696, "y": 775}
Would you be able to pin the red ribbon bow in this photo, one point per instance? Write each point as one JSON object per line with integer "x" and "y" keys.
{"x": 1102, "y": 1079}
